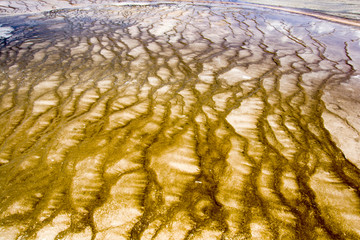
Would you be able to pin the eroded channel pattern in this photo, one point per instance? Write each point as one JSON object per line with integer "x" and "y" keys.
{"x": 173, "y": 121}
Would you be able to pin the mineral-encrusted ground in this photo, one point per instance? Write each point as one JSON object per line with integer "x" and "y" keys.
{"x": 178, "y": 121}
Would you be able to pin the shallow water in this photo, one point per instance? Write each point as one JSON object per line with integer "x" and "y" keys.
{"x": 178, "y": 121}
{"x": 342, "y": 8}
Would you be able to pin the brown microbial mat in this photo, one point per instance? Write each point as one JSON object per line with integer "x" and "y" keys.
{"x": 178, "y": 121}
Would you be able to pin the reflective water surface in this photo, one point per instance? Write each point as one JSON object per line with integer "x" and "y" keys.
{"x": 178, "y": 121}
{"x": 343, "y": 8}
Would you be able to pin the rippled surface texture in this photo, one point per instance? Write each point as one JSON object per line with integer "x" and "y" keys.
{"x": 178, "y": 121}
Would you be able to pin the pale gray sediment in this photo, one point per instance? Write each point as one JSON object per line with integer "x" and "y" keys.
{"x": 178, "y": 121}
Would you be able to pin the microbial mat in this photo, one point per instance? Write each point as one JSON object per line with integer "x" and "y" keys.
{"x": 178, "y": 121}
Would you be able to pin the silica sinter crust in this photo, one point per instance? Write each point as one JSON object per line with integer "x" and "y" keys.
{"x": 178, "y": 121}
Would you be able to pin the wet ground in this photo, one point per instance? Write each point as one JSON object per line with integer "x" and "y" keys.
{"x": 178, "y": 121}
{"x": 343, "y": 8}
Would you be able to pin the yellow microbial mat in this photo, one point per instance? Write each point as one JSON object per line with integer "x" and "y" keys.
{"x": 178, "y": 120}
